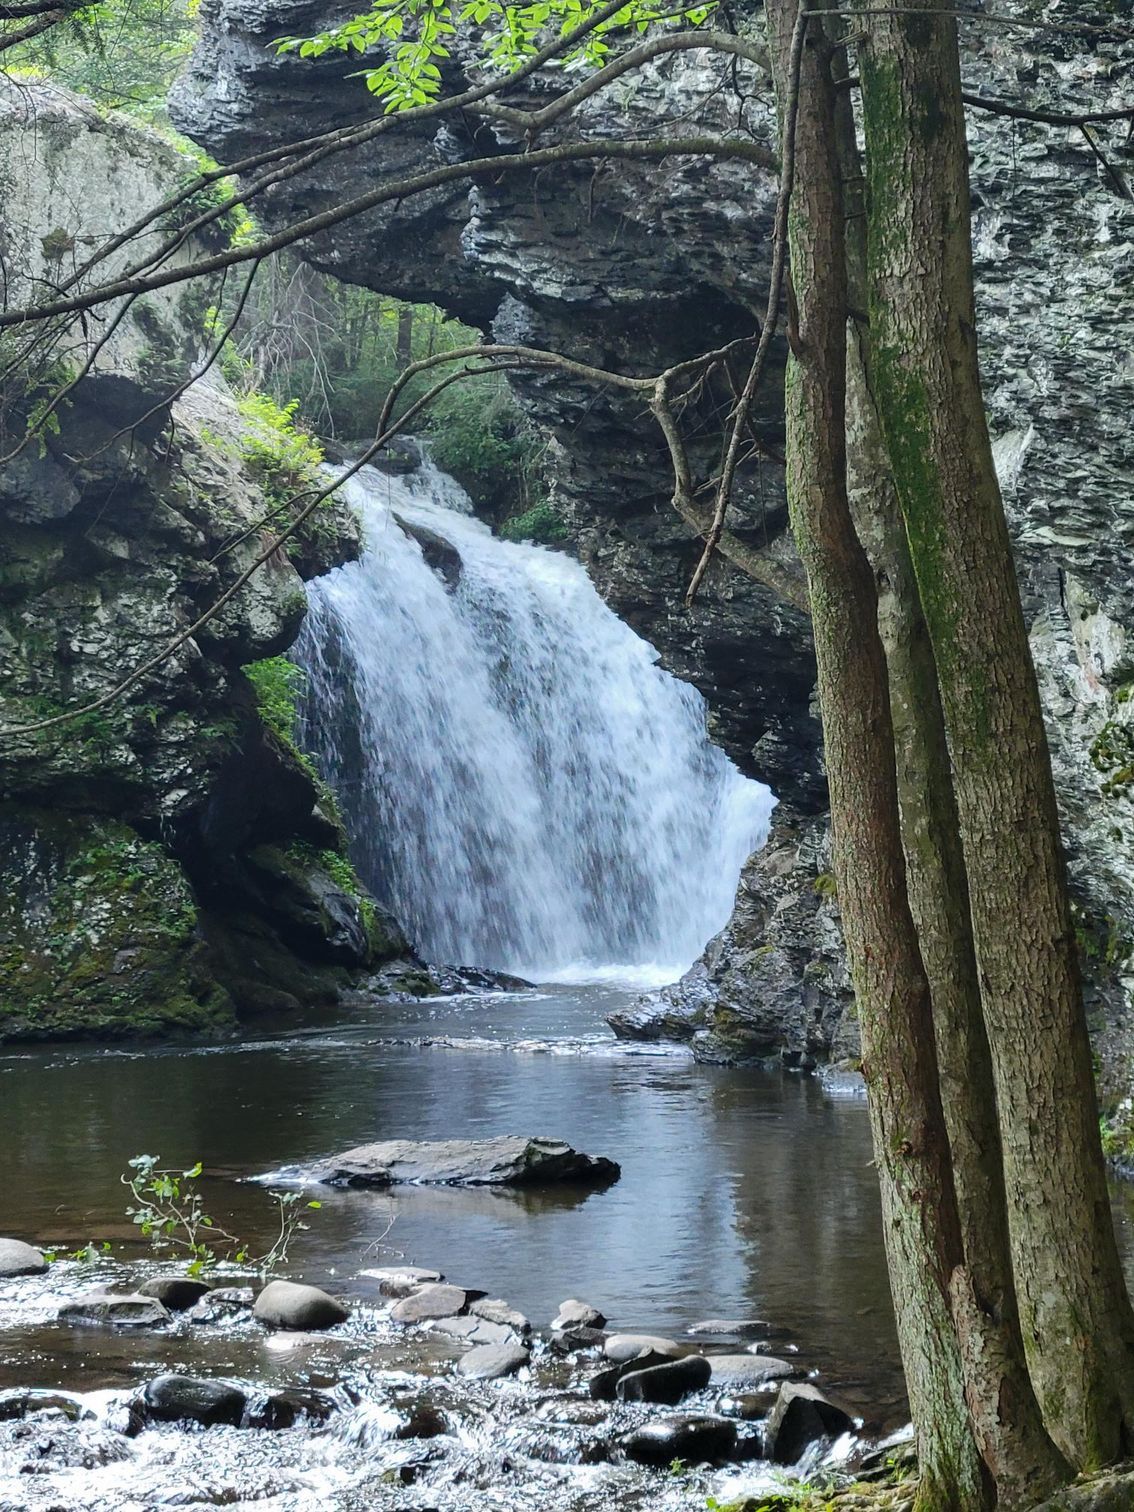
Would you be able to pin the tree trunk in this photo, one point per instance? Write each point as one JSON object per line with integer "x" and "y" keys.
{"x": 899, "y": 1057}
{"x": 1077, "y": 1324}
{"x": 403, "y": 352}
{"x": 1021, "y": 1457}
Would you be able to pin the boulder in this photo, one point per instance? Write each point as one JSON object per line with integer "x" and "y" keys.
{"x": 622, "y": 1347}
{"x": 570, "y": 1340}
{"x": 802, "y": 1415}
{"x": 25, "y": 1401}
{"x": 222, "y": 1304}
{"x": 732, "y": 1328}
{"x": 287, "y": 1304}
{"x": 435, "y": 1301}
{"x": 495, "y": 1311}
{"x": 182, "y": 1398}
{"x": 177, "y": 1293}
{"x": 696, "y": 1440}
{"x": 507, "y": 1161}
{"x": 488, "y": 1362}
{"x": 740, "y": 1372}
{"x": 118, "y": 1309}
{"x": 20, "y": 1259}
{"x": 666, "y": 1383}
{"x": 400, "y": 1280}
{"x": 576, "y": 1314}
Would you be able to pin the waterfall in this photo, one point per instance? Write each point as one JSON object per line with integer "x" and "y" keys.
{"x": 522, "y": 784}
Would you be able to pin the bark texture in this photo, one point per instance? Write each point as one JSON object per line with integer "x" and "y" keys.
{"x": 1077, "y": 1325}
{"x": 899, "y": 1063}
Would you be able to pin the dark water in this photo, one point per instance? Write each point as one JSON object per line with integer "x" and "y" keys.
{"x": 742, "y": 1194}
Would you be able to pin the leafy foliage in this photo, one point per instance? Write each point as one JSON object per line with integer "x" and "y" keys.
{"x": 278, "y": 685}
{"x": 541, "y": 523}
{"x": 169, "y": 1211}
{"x": 415, "y": 37}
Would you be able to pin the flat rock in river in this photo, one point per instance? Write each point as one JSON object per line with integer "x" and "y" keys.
{"x": 400, "y": 1280}
{"x": 508, "y": 1161}
{"x": 118, "y": 1309}
{"x": 621, "y": 1347}
{"x": 430, "y": 1302}
{"x": 488, "y": 1362}
{"x": 738, "y": 1372}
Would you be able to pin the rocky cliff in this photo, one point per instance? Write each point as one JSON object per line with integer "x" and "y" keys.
{"x": 168, "y": 861}
{"x": 640, "y": 266}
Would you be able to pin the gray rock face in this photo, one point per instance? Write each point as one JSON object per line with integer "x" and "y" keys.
{"x": 508, "y": 1161}
{"x": 287, "y": 1304}
{"x": 490, "y": 1362}
{"x": 576, "y": 1314}
{"x": 20, "y": 1259}
{"x": 493, "y": 1310}
{"x": 644, "y": 265}
{"x": 116, "y": 1309}
{"x": 475, "y": 1330}
{"x": 180, "y": 1398}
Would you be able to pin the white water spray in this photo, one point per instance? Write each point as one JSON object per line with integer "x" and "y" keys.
{"x": 523, "y": 785}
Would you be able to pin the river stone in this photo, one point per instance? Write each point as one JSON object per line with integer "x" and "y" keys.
{"x": 802, "y": 1415}
{"x": 738, "y": 1372}
{"x": 488, "y": 1362}
{"x": 425, "y": 1420}
{"x": 177, "y": 1293}
{"x": 287, "y": 1304}
{"x": 576, "y": 1314}
{"x": 602, "y": 1387}
{"x": 666, "y": 1383}
{"x": 24, "y": 1401}
{"x": 493, "y": 1310}
{"x": 120, "y": 1309}
{"x": 572, "y": 1340}
{"x": 400, "y": 1280}
{"x": 750, "y": 1406}
{"x": 183, "y": 1398}
{"x": 507, "y": 1161}
{"x": 285, "y": 1408}
{"x": 222, "y": 1304}
{"x": 20, "y": 1259}
{"x": 434, "y": 1301}
{"x": 622, "y": 1347}
{"x": 696, "y": 1440}
{"x": 732, "y": 1328}
{"x": 475, "y": 1330}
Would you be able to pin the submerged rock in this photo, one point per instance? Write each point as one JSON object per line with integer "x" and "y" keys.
{"x": 510, "y": 1160}
{"x": 287, "y": 1304}
{"x": 20, "y": 1259}
{"x": 400, "y": 1280}
{"x": 118, "y": 1309}
{"x": 283, "y": 1409}
{"x": 696, "y": 1440}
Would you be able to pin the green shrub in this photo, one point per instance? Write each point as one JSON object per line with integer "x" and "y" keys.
{"x": 541, "y": 523}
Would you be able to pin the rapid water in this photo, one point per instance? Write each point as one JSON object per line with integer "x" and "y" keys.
{"x": 523, "y": 784}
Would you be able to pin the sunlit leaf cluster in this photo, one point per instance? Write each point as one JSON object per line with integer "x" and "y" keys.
{"x": 414, "y": 38}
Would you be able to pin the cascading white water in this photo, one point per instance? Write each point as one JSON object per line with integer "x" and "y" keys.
{"x": 523, "y": 785}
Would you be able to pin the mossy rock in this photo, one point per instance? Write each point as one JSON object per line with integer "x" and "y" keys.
{"x": 98, "y": 934}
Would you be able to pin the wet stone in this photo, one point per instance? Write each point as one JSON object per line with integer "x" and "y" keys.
{"x": 401, "y": 1280}
{"x": 428, "y": 1302}
{"x": 177, "y": 1293}
{"x": 475, "y": 1331}
{"x": 576, "y": 1314}
{"x": 732, "y": 1328}
{"x": 696, "y": 1440}
{"x": 116, "y": 1309}
{"x": 493, "y": 1310}
{"x": 489, "y": 1362}
{"x": 802, "y": 1415}
{"x": 666, "y": 1383}
{"x": 424, "y": 1421}
{"x": 223, "y": 1304}
{"x": 287, "y": 1304}
{"x": 25, "y": 1401}
{"x": 572, "y": 1340}
{"x": 20, "y": 1259}
{"x": 603, "y": 1386}
{"x": 738, "y": 1372}
{"x": 294, "y": 1404}
{"x": 749, "y": 1406}
{"x": 619, "y": 1348}
{"x": 182, "y": 1398}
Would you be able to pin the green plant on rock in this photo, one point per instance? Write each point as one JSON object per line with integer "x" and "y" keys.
{"x": 278, "y": 685}
{"x": 168, "y": 1210}
{"x": 541, "y": 523}
{"x": 279, "y": 453}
